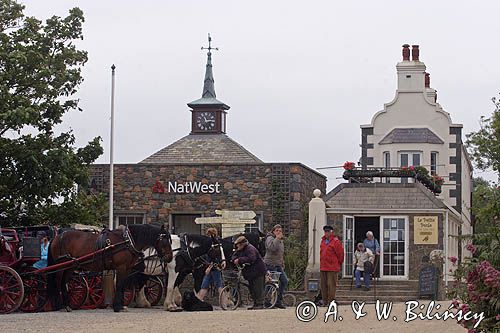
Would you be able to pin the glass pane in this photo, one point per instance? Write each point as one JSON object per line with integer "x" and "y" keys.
{"x": 416, "y": 159}
{"x": 401, "y": 224}
{"x": 386, "y": 258}
{"x": 386, "y": 269}
{"x": 122, "y": 220}
{"x": 401, "y": 247}
{"x": 401, "y": 270}
{"x": 401, "y": 235}
{"x": 386, "y": 246}
{"x": 386, "y": 223}
{"x": 394, "y": 246}
{"x": 394, "y": 270}
{"x": 404, "y": 160}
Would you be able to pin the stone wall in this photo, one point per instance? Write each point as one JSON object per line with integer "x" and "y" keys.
{"x": 241, "y": 187}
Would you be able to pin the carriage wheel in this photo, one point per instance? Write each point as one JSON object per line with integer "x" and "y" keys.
{"x": 229, "y": 298}
{"x": 95, "y": 298}
{"x": 128, "y": 296}
{"x": 78, "y": 291}
{"x": 153, "y": 289}
{"x": 35, "y": 292}
{"x": 11, "y": 290}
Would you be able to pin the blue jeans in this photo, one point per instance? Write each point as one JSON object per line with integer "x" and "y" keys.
{"x": 366, "y": 278}
{"x": 283, "y": 281}
{"x": 214, "y": 276}
{"x": 42, "y": 263}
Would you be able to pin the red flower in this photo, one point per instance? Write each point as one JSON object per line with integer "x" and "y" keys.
{"x": 348, "y": 165}
{"x": 453, "y": 260}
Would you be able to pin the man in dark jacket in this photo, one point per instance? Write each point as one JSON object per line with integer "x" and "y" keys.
{"x": 274, "y": 260}
{"x": 255, "y": 272}
{"x": 331, "y": 257}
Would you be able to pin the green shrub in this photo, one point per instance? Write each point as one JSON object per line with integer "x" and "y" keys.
{"x": 295, "y": 262}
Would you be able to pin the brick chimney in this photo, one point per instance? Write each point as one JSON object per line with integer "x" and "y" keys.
{"x": 406, "y": 52}
{"x": 414, "y": 52}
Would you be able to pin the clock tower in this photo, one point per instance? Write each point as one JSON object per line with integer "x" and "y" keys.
{"x": 208, "y": 114}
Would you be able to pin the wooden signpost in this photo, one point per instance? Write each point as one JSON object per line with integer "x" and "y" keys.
{"x": 232, "y": 222}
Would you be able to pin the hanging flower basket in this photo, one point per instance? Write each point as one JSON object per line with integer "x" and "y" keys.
{"x": 419, "y": 173}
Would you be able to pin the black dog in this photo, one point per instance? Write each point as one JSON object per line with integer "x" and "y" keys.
{"x": 192, "y": 303}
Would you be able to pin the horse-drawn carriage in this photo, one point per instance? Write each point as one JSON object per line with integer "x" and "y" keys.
{"x": 26, "y": 288}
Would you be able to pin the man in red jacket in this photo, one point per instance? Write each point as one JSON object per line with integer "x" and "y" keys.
{"x": 331, "y": 257}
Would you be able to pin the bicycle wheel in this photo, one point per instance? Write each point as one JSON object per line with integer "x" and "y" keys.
{"x": 289, "y": 300}
{"x": 270, "y": 295}
{"x": 229, "y": 298}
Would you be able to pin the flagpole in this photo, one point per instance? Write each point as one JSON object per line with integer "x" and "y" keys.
{"x": 111, "y": 165}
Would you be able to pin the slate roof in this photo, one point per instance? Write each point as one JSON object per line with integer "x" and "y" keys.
{"x": 201, "y": 149}
{"x": 382, "y": 196}
{"x": 411, "y": 135}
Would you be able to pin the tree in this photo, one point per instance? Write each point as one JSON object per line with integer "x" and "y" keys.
{"x": 477, "y": 279}
{"x": 40, "y": 168}
{"x": 484, "y": 145}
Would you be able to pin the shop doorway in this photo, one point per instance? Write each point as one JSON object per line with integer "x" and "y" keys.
{"x": 184, "y": 223}
{"x": 363, "y": 224}
{"x": 355, "y": 229}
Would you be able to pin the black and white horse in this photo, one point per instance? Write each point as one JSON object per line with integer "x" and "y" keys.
{"x": 190, "y": 253}
{"x": 181, "y": 266}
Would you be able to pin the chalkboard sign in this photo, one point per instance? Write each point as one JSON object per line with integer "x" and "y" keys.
{"x": 428, "y": 282}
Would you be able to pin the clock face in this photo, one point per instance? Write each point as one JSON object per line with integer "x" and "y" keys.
{"x": 205, "y": 121}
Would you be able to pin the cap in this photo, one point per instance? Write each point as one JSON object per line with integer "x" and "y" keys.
{"x": 327, "y": 228}
{"x": 240, "y": 239}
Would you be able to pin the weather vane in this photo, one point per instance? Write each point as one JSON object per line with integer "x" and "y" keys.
{"x": 210, "y": 48}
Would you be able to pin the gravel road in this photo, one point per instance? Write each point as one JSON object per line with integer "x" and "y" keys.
{"x": 275, "y": 320}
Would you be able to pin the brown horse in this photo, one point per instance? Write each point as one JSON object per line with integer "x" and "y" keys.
{"x": 123, "y": 254}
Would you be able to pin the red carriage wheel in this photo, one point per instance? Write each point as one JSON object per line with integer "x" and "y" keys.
{"x": 95, "y": 298}
{"x": 78, "y": 290}
{"x": 128, "y": 296}
{"x": 153, "y": 290}
{"x": 35, "y": 291}
{"x": 11, "y": 290}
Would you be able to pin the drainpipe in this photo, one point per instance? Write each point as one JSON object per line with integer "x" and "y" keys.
{"x": 446, "y": 233}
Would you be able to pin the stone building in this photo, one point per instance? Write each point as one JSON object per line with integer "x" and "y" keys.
{"x": 204, "y": 171}
{"x": 407, "y": 219}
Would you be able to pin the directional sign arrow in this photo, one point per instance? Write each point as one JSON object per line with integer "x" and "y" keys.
{"x": 221, "y": 220}
{"x": 236, "y": 214}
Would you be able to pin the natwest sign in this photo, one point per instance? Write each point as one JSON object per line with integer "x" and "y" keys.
{"x": 193, "y": 187}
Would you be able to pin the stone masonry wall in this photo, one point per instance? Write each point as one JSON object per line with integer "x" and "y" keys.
{"x": 242, "y": 187}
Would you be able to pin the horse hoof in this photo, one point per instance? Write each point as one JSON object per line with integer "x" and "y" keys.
{"x": 122, "y": 309}
{"x": 175, "y": 310}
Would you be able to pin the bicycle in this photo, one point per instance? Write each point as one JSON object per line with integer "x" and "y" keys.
{"x": 289, "y": 299}
{"x": 231, "y": 295}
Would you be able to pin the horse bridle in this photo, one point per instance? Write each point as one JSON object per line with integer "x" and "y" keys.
{"x": 128, "y": 237}
{"x": 197, "y": 258}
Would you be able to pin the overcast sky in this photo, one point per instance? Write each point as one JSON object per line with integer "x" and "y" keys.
{"x": 300, "y": 76}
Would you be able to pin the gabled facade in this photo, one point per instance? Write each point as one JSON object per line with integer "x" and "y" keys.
{"x": 414, "y": 129}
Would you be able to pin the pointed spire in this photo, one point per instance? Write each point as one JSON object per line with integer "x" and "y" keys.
{"x": 208, "y": 97}
{"x": 208, "y": 83}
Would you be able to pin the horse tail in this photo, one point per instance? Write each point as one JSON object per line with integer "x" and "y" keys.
{"x": 52, "y": 289}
